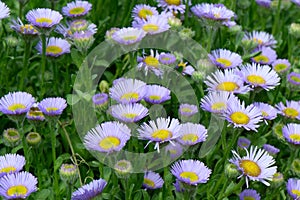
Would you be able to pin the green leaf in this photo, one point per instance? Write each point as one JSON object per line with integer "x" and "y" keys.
{"x": 72, "y": 99}
{"x": 42, "y": 194}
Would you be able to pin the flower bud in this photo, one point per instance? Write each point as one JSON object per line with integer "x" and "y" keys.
{"x": 33, "y": 138}
{"x": 68, "y": 173}
{"x": 11, "y": 137}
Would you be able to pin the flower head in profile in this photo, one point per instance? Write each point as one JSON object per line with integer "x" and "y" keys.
{"x": 76, "y": 26}
{"x": 187, "y": 110}
{"x": 35, "y": 114}
{"x": 293, "y": 187}
{"x": 24, "y": 29}
{"x": 261, "y": 38}
{"x": 174, "y": 6}
{"x": 290, "y": 110}
{"x": 167, "y": 58}
{"x": 52, "y": 106}
{"x": 90, "y": 190}
{"x": 153, "y": 24}
{"x": 249, "y": 194}
{"x": 152, "y": 180}
{"x": 77, "y": 9}
{"x": 243, "y": 142}
{"x": 264, "y": 3}
{"x": 100, "y": 99}
{"x": 291, "y": 133}
{"x": 55, "y": 47}
{"x": 43, "y": 17}
{"x": 4, "y": 10}
{"x": 268, "y": 112}
{"x": 141, "y": 11}
{"x": 128, "y": 36}
{"x": 294, "y": 78}
{"x": 271, "y": 149}
{"x": 129, "y": 113}
{"x": 191, "y": 134}
{"x": 225, "y": 59}
{"x": 266, "y": 57}
{"x": 157, "y": 94}
{"x": 11, "y": 163}
{"x": 281, "y": 65}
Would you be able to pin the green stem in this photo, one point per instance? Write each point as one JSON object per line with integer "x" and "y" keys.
{"x": 43, "y": 67}
{"x": 53, "y": 147}
{"x": 20, "y": 10}
{"x": 277, "y": 18}
{"x": 55, "y": 77}
{"x": 27, "y": 47}
{"x": 25, "y": 147}
{"x": 69, "y": 191}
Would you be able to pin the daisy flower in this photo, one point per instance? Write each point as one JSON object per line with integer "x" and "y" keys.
{"x": 16, "y": 103}
{"x": 264, "y": 3}
{"x": 107, "y": 137}
{"x": 243, "y": 142}
{"x": 159, "y": 131}
{"x": 248, "y": 194}
{"x": 150, "y": 63}
{"x": 52, "y": 106}
{"x": 187, "y": 110}
{"x": 141, "y": 11}
{"x": 100, "y": 99}
{"x": 258, "y": 75}
{"x": 43, "y": 17}
{"x": 55, "y": 47}
{"x": 76, "y": 26}
{"x": 69, "y": 173}
{"x": 167, "y": 58}
{"x": 172, "y": 6}
{"x": 271, "y": 149}
{"x": 18, "y": 186}
{"x": 77, "y": 8}
{"x": 89, "y": 191}
{"x": 294, "y": 78}
{"x": 240, "y": 116}
{"x": 185, "y": 68}
{"x": 291, "y": 133}
{"x": 191, "y": 172}
{"x": 255, "y": 166}
{"x": 128, "y": 91}
{"x": 157, "y": 94}
{"x": 174, "y": 150}
{"x": 25, "y": 29}
{"x": 291, "y": 110}
{"x": 129, "y": 113}
{"x": 281, "y": 65}
{"x": 152, "y": 180}
{"x": 268, "y": 112}
{"x": 153, "y": 24}
{"x": 191, "y": 134}
{"x": 261, "y": 38}
{"x": 128, "y": 36}
{"x": 266, "y": 57}
{"x": 35, "y": 114}
{"x": 225, "y": 59}
{"x": 293, "y": 187}
{"x": 216, "y": 102}
{"x": 227, "y": 80}
{"x": 4, "y": 10}
{"x": 11, "y": 163}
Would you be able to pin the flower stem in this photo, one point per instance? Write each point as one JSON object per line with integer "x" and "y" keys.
{"x": 25, "y": 147}
{"x": 27, "y": 47}
{"x": 53, "y": 147}
{"x": 43, "y": 67}
{"x": 69, "y": 191}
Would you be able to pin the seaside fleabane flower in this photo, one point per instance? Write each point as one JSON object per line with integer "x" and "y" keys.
{"x": 129, "y": 112}
{"x": 11, "y": 163}
{"x": 107, "y": 137}
{"x": 249, "y": 194}
{"x": 159, "y": 131}
{"x": 4, "y": 10}
{"x": 268, "y": 112}
{"x": 157, "y": 94}
{"x": 43, "y": 17}
{"x": 52, "y": 106}
{"x": 290, "y": 110}
{"x": 55, "y": 47}
{"x": 174, "y": 6}
{"x": 281, "y": 65}
{"x": 153, "y": 24}
{"x": 128, "y": 36}
{"x": 77, "y": 9}
{"x": 24, "y": 29}
{"x": 152, "y": 180}
{"x": 185, "y": 68}
{"x": 150, "y": 63}
{"x": 255, "y": 166}
{"x": 141, "y": 11}
{"x": 294, "y": 78}
{"x": 191, "y": 134}
{"x": 225, "y": 59}
{"x": 266, "y": 57}
{"x": 261, "y": 38}
{"x": 291, "y": 132}
{"x": 187, "y": 110}
{"x": 293, "y": 188}
{"x": 90, "y": 190}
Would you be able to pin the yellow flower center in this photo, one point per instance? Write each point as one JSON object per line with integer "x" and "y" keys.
{"x": 264, "y": 114}
{"x": 186, "y": 110}
{"x": 239, "y": 118}
{"x": 224, "y": 61}
{"x": 49, "y": 109}
{"x": 249, "y": 198}
{"x": 151, "y": 61}
{"x": 130, "y": 37}
{"x": 173, "y": 2}
{"x": 77, "y": 10}
{"x": 109, "y": 142}
{"x": 173, "y": 151}
{"x": 259, "y": 41}
{"x": 162, "y": 134}
{"x": 154, "y": 97}
{"x": 8, "y": 169}
{"x": 35, "y": 113}
{"x": 295, "y": 137}
{"x": 218, "y": 106}
{"x": 150, "y": 28}
{"x": 43, "y": 20}
{"x": 255, "y": 79}
{"x": 217, "y": 15}
{"x": 130, "y": 115}
{"x": 143, "y": 13}
{"x": 250, "y": 168}
{"x": 280, "y": 67}
{"x": 130, "y": 95}
{"x": 192, "y": 176}
{"x": 261, "y": 59}
{"x": 296, "y": 192}
{"x": 27, "y": 27}
{"x": 190, "y": 137}
{"x": 17, "y": 190}
{"x": 291, "y": 112}
{"x": 182, "y": 65}
{"x": 149, "y": 182}
{"x": 53, "y": 49}
{"x": 295, "y": 78}
{"x": 16, "y": 106}
{"x": 228, "y": 86}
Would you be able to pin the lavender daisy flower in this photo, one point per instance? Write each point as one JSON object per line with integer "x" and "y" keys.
{"x": 52, "y": 106}
{"x": 77, "y": 9}
{"x": 167, "y": 58}
{"x": 16, "y": 103}
{"x": 43, "y": 17}
{"x": 216, "y": 102}
{"x": 128, "y": 91}
{"x": 129, "y": 112}
{"x": 174, "y": 150}
{"x": 4, "y": 10}
{"x": 240, "y": 116}
{"x": 268, "y": 112}
{"x": 172, "y": 6}
{"x": 153, "y": 24}
{"x": 281, "y": 65}
{"x": 293, "y": 185}
{"x": 18, "y": 186}
{"x": 116, "y": 81}
{"x": 227, "y": 80}
{"x": 258, "y": 75}
{"x": 243, "y": 142}
{"x": 266, "y": 57}
{"x": 191, "y": 172}
{"x": 291, "y": 133}
{"x": 297, "y": 2}
{"x": 35, "y": 114}
{"x": 11, "y": 163}
{"x": 264, "y": 3}
{"x": 24, "y": 29}
{"x": 107, "y": 137}
{"x": 294, "y": 78}
{"x": 261, "y": 38}
{"x": 248, "y": 194}
{"x": 100, "y": 99}
{"x": 128, "y": 36}
{"x": 225, "y": 59}
{"x": 291, "y": 110}
{"x": 152, "y": 180}
{"x": 150, "y": 63}
{"x": 184, "y": 68}
{"x": 76, "y": 26}
{"x": 83, "y": 40}
{"x": 255, "y": 166}
{"x": 187, "y": 110}
{"x": 55, "y": 47}
{"x": 89, "y": 191}
{"x": 271, "y": 149}
{"x": 141, "y": 11}
{"x": 159, "y": 131}
{"x": 191, "y": 134}
{"x": 157, "y": 94}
